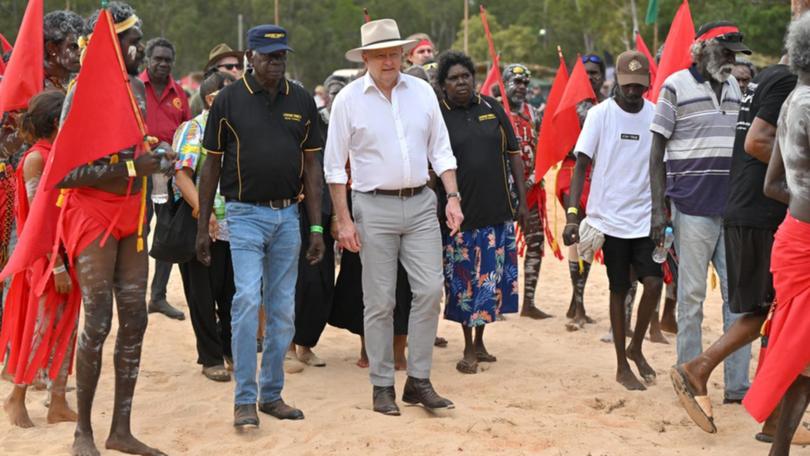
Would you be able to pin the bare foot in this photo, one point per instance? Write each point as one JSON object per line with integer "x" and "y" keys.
{"x": 669, "y": 323}
{"x": 131, "y": 445}
{"x": 14, "y": 405}
{"x": 588, "y": 320}
{"x": 400, "y": 364}
{"x": 644, "y": 369}
{"x": 83, "y": 445}
{"x": 59, "y": 412}
{"x": 362, "y": 363}
{"x": 572, "y": 310}
{"x": 627, "y": 379}
{"x": 482, "y": 355}
{"x": 534, "y": 313}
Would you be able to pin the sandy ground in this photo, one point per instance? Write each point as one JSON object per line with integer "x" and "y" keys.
{"x": 551, "y": 392}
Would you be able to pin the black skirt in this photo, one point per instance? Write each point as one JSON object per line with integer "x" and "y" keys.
{"x": 748, "y": 262}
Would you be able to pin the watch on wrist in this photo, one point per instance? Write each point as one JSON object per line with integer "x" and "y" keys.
{"x": 454, "y": 195}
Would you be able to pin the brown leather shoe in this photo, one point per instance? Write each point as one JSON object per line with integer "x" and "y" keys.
{"x": 244, "y": 416}
{"x": 420, "y": 391}
{"x": 385, "y": 400}
{"x": 281, "y": 410}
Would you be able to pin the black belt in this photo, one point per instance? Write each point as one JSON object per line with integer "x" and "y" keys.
{"x": 272, "y": 204}
{"x": 402, "y": 193}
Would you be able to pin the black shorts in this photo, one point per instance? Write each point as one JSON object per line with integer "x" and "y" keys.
{"x": 748, "y": 263}
{"x": 621, "y": 254}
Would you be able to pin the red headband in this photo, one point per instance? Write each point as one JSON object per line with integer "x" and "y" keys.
{"x": 421, "y": 43}
{"x": 717, "y": 31}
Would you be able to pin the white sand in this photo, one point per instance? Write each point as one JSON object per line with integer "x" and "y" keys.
{"x": 550, "y": 393}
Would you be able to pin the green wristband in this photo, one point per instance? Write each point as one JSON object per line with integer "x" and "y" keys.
{"x": 316, "y": 229}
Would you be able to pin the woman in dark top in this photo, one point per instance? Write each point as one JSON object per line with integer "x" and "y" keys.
{"x": 480, "y": 262}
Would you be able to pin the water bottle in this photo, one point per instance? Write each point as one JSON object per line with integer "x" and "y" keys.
{"x": 660, "y": 253}
{"x": 160, "y": 188}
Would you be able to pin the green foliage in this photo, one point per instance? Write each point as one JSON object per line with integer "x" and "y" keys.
{"x": 321, "y": 31}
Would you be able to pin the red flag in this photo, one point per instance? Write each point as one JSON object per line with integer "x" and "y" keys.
{"x": 102, "y": 106}
{"x": 641, "y": 46}
{"x": 578, "y": 89}
{"x": 24, "y": 75}
{"x": 6, "y": 45}
{"x": 677, "y": 55}
{"x": 550, "y": 144}
{"x": 102, "y": 120}
{"x": 495, "y": 68}
{"x": 492, "y": 78}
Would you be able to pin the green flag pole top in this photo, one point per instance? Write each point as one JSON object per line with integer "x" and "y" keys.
{"x": 104, "y": 3}
{"x": 652, "y": 12}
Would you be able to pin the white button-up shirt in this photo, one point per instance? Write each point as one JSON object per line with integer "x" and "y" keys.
{"x": 388, "y": 143}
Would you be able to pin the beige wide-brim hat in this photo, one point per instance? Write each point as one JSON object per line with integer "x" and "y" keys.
{"x": 379, "y": 34}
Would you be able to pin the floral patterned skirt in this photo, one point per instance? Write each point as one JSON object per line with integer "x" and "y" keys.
{"x": 480, "y": 274}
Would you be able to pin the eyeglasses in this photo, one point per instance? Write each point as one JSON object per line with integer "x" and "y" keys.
{"x": 592, "y": 58}
{"x": 230, "y": 66}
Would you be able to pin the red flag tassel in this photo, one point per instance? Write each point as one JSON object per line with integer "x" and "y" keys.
{"x": 555, "y": 247}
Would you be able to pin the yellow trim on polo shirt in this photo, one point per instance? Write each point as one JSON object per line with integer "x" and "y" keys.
{"x": 244, "y": 79}
{"x": 238, "y": 150}
{"x": 484, "y": 117}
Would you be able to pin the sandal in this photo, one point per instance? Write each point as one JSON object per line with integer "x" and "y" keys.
{"x": 466, "y": 367}
{"x": 699, "y": 408}
{"x": 485, "y": 357}
{"x": 311, "y": 359}
{"x": 217, "y": 373}
{"x": 440, "y": 342}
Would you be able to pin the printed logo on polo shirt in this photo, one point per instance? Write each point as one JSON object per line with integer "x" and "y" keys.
{"x": 292, "y": 116}
{"x": 630, "y": 137}
{"x": 484, "y": 117}
{"x": 177, "y": 103}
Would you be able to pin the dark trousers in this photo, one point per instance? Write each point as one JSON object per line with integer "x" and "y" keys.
{"x": 157, "y": 291}
{"x": 209, "y": 291}
{"x": 315, "y": 287}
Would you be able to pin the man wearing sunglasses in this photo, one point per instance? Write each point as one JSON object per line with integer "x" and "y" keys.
{"x": 223, "y": 59}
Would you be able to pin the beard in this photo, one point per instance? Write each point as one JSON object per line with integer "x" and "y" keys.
{"x": 718, "y": 70}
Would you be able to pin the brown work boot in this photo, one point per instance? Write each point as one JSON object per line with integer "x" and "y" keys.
{"x": 281, "y": 410}
{"x": 385, "y": 400}
{"x": 420, "y": 391}
{"x": 245, "y": 416}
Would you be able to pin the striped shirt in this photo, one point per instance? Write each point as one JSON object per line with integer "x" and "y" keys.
{"x": 700, "y": 134}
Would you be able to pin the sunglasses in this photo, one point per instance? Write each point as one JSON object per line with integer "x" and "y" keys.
{"x": 592, "y": 58}
{"x": 230, "y": 66}
{"x": 430, "y": 66}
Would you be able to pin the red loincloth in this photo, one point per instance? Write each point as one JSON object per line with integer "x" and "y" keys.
{"x": 30, "y": 346}
{"x": 563, "y": 183}
{"x": 788, "y": 336}
{"x": 90, "y": 213}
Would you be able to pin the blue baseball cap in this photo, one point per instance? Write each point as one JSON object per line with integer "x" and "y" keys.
{"x": 268, "y": 38}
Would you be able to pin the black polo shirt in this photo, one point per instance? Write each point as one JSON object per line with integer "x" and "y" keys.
{"x": 481, "y": 137}
{"x": 262, "y": 142}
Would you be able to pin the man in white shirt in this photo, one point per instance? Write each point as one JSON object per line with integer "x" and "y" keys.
{"x": 616, "y": 138}
{"x": 389, "y": 126}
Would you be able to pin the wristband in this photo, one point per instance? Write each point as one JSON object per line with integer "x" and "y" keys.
{"x": 572, "y": 210}
{"x": 316, "y": 229}
{"x": 131, "y": 172}
{"x": 59, "y": 269}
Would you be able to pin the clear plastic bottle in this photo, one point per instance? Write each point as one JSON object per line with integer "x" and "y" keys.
{"x": 660, "y": 253}
{"x": 160, "y": 188}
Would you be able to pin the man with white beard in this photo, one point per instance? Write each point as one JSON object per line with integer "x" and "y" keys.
{"x": 694, "y": 125}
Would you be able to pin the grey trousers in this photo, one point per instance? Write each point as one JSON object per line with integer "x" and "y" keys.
{"x": 407, "y": 229}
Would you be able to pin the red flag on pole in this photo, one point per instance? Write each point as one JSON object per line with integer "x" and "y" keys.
{"x": 4, "y": 42}
{"x": 24, "y": 75}
{"x": 641, "y": 46}
{"x": 549, "y": 151}
{"x": 102, "y": 107}
{"x": 677, "y": 55}
{"x": 492, "y": 78}
{"x": 495, "y": 68}
{"x": 577, "y": 90}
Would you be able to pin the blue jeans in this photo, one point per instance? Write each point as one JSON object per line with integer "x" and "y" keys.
{"x": 698, "y": 241}
{"x": 265, "y": 243}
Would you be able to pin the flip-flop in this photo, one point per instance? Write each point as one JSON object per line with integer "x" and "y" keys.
{"x": 800, "y": 438}
{"x": 466, "y": 367}
{"x": 484, "y": 357}
{"x": 699, "y": 408}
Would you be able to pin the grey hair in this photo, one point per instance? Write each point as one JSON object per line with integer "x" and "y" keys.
{"x": 797, "y": 43}
{"x": 698, "y": 49}
{"x": 57, "y": 25}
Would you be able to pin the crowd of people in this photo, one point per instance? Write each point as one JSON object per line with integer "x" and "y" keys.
{"x": 369, "y": 201}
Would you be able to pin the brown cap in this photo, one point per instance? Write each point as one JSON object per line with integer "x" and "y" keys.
{"x": 633, "y": 68}
{"x": 220, "y": 51}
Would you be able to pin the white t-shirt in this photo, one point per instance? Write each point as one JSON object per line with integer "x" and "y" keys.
{"x": 619, "y": 144}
